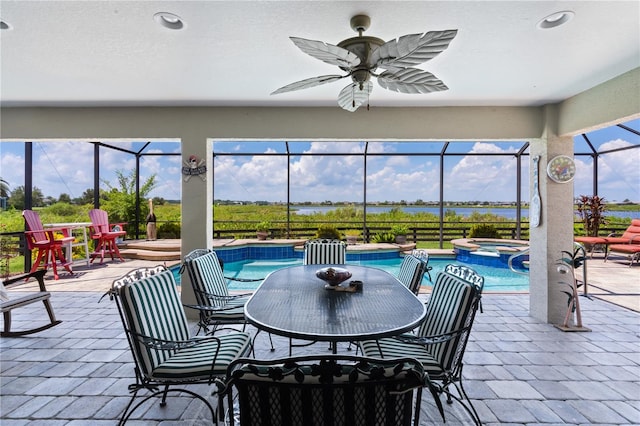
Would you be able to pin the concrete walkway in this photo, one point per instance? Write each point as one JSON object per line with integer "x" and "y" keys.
{"x": 518, "y": 370}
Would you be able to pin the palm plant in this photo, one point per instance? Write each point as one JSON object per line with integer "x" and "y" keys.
{"x": 591, "y": 211}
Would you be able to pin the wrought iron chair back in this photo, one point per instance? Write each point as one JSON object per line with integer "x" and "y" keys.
{"x": 327, "y": 390}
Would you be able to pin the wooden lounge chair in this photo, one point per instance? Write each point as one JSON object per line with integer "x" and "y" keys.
{"x": 105, "y": 234}
{"x": 633, "y": 231}
{"x": 6, "y": 306}
{"x": 45, "y": 241}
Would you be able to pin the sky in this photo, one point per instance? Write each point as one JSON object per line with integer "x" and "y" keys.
{"x": 67, "y": 167}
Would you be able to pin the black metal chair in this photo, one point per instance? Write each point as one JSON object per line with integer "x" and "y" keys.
{"x": 325, "y": 252}
{"x": 412, "y": 270}
{"x": 440, "y": 341}
{"x": 326, "y": 390}
{"x": 216, "y": 306}
{"x": 166, "y": 357}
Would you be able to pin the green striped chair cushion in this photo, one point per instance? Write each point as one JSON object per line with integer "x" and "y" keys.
{"x": 411, "y": 273}
{"x": 449, "y": 309}
{"x": 152, "y": 308}
{"x": 206, "y": 276}
{"x": 196, "y": 362}
{"x": 325, "y": 252}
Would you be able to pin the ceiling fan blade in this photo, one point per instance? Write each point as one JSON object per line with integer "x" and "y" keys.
{"x": 351, "y": 97}
{"x": 309, "y": 82}
{"x": 328, "y": 53}
{"x": 411, "y": 80}
{"x": 412, "y": 49}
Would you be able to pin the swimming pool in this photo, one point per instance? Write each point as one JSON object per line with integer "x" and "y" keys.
{"x": 496, "y": 279}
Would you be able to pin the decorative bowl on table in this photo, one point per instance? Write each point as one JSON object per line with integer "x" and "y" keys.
{"x": 333, "y": 276}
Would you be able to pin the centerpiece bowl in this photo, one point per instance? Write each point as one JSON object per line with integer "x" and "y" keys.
{"x": 333, "y": 276}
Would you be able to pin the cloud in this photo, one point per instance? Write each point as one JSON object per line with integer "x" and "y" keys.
{"x": 67, "y": 167}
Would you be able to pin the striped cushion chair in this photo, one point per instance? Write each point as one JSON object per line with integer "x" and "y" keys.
{"x": 440, "y": 341}
{"x": 327, "y": 390}
{"x": 411, "y": 272}
{"x": 325, "y": 252}
{"x": 163, "y": 350}
{"x": 215, "y": 304}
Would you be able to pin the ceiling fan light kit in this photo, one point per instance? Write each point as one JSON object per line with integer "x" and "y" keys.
{"x": 361, "y": 56}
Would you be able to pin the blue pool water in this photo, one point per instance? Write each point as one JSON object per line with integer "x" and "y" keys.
{"x": 496, "y": 279}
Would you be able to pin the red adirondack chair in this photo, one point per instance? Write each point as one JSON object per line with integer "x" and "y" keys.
{"x": 105, "y": 234}
{"x": 44, "y": 240}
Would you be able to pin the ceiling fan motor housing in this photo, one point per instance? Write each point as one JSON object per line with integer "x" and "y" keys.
{"x": 362, "y": 47}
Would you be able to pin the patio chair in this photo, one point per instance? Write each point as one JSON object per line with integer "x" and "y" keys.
{"x": 325, "y": 252}
{"x": 631, "y": 250}
{"x": 215, "y": 305}
{"x": 47, "y": 243}
{"x": 326, "y": 390}
{"x": 423, "y": 255}
{"x": 166, "y": 357}
{"x": 105, "y": 234}
{"x": 633, "y": 231}
{"x": 412, "y": 270}
{"x": 440, "y": 341}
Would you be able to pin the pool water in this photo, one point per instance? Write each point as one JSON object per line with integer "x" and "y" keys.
{"x": 495, "y": 279}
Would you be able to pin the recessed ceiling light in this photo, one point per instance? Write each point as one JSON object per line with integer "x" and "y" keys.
{"x": 555, "y": 19}
{"x": 4, "y": 26}
{"x": 169, "y": 20}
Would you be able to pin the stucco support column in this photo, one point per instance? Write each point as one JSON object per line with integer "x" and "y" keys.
{"x": 555, "y": 233}
{"x": 197, "y": 211}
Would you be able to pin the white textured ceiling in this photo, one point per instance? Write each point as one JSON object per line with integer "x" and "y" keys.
{"x": 235, "y": 53}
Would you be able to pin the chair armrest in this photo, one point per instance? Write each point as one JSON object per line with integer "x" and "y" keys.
{"x": 21, "y": 279}
{"x": 210, "y": 308}
{"x": 634, "y": 238}
{"x": 225, "y": 297}
{"x": 244, "y": 280}
{"x": 171, "y": 345}
{"x": 430, "y": 340}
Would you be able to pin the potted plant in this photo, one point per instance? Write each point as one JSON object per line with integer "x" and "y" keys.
{"x": 352, "y": 236}
{"x": 262, "y": 230}
{"x": 400, "y": 233}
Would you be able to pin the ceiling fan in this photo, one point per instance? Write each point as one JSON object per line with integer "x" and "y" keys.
{"x": 361, "y": 56}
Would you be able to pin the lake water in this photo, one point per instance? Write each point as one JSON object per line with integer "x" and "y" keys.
{"x": 509, "y": 213}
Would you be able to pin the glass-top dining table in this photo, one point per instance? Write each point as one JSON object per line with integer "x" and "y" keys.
{"x": 294, "y": 303}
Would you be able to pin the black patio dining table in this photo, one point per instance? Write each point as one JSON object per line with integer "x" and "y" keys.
{"x": 293, "y": 302}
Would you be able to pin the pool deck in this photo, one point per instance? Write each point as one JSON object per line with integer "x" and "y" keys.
{"x": 518, "y": 370}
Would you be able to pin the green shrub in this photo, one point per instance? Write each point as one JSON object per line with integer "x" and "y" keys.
{"x": 62, "y": 209}
{"x": 329, "y": 232}
{"x": 483, "y": 230}
{"x": 399, "y": 230}
{"x": 383, "y": 237}
{"x": 169, "y": 230}
{"x": 263, "y": 226}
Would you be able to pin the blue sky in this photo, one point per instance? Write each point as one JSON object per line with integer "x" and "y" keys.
{"x": 67, "y": 167}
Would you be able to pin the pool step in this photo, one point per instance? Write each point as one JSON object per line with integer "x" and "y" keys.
{"x": 158, "y": 250}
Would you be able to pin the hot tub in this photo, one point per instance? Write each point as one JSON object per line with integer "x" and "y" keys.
{"x": 491, "y": 251}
